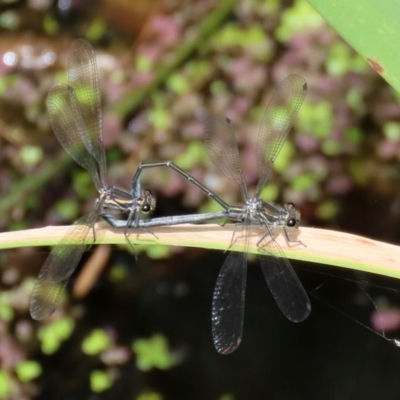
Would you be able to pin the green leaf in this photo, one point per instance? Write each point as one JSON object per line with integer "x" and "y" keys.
{"x": 96, "y": 342}
{"x": 6, "y": 312}
{"x": 143, "y": 63}
{"x": 304, "y": 182}
{"x": 328, "y": 210}
{"x": 371, "y": 28}
{"x": 53, "y": 334}
{"x": 160, "y": 118}
{"x": 297, "y": 19}
{"x": 283, "y": 161}
{"x": 152, "y": 353}
{"x": 195, "y": 153}
{"x": 50, "y": 25}
{"x": 100, "y": 381}
{"x": 5, "y": 385}
{"x": 353, "y": 135}
{"x": 118, "y": 272}
{"x": 158, "y": 252}
{"x": 331, "y": 147}
{"x": 392, "y": 131}
{"x": 218, "y": 87}
{"x": 178, "y": 83}
{"x": 150, "y": 396}
{"x": 96, "y": 30}
{"x": 28, "y": 370}
{"x": 317, "y": 119}
{"x": 31, "y": 155}
{"x": 270, "y": 192}
{"x": 83, "y": 184}
{"x": 67, "y": 209}
{"x": 9, "y": 20}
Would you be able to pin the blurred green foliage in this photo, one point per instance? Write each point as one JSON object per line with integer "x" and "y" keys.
{"x": 6, "y": 311}
{"x": 157, "y": 252}
{"x": 159, "y": 115}
{"x": 100, "y": 381}
{"x": 5, "y": 385}
{"x": 297, "y": 19}
{"x": 8, "y": 82}
{"x": 152, "y": 353}
{"x": 253, "y": 38}
{"x": 270, "y": 192}
{"x": 150, "y": 396}
{"x": 28, "y": 370}
{"x": 285, "y": 157}
{"x": 341, "y": 60}
{"x": 96, "y": 342}
{"x": 392, "y": 131}
{"x": 119, "y": 272}
{"x": 356, "y": 167}
{"x": 50, "y": 25}
{"x": 67, "y": 209}
{"x": 96, "y": 30}
{"x": 83, "y": 185}
{"x": 304, "y": 182}
{"x": 54, "y": 333}
{"x": 331, "y": 147}
{"x": 143, "y": 63}
{"x": 316, "y": 119}
{"x": 9, "y": 20}
{"x": 178, "y": 83}
{"x": 353, "y": 135}
{"x": 227, "y": 397}
{"x": 194, "y": 154}
{"x": 328, "y": 209}
{"x": 31, "y": 155}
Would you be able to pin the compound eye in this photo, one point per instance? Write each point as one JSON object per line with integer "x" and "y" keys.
{"x": 146, "y": 208}
{"x": 291, "y": 222}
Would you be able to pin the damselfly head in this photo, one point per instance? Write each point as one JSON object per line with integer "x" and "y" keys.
{"x": 147, "y": 202}
{"x": 292, "y": 215}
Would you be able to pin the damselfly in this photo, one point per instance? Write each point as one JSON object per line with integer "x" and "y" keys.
{"x": 75, "y": 117}
{"x": 229, "y": 292}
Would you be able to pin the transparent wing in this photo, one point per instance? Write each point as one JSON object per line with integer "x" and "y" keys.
{"x": 67, "y": 126}
{"x": 228, "y": 300}
{"x": 276, "y": 123}
{"x": 223, "y": 150}
{"x": 283, "y": 282}
{"x": 83, "y": 78}
{"x": 60, "y": 265}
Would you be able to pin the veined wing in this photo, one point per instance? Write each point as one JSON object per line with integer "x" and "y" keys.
{"x": 83, "y": 78}
{"x": 66, "y": 123}
{"x": 223, "y": 150}
{"x": 275, "y": 125}
{"x": 283, "y": 282}
{"x": 60, "y": 265}
{"x": 229, "y": 298}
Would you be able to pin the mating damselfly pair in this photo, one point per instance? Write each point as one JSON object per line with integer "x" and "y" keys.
{"x": 75, "y": 115}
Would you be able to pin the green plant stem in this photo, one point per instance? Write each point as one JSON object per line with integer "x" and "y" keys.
{"x": 320, "y": 246}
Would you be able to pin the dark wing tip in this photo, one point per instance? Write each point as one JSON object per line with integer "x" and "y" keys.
{"x": 227, "y": 348}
